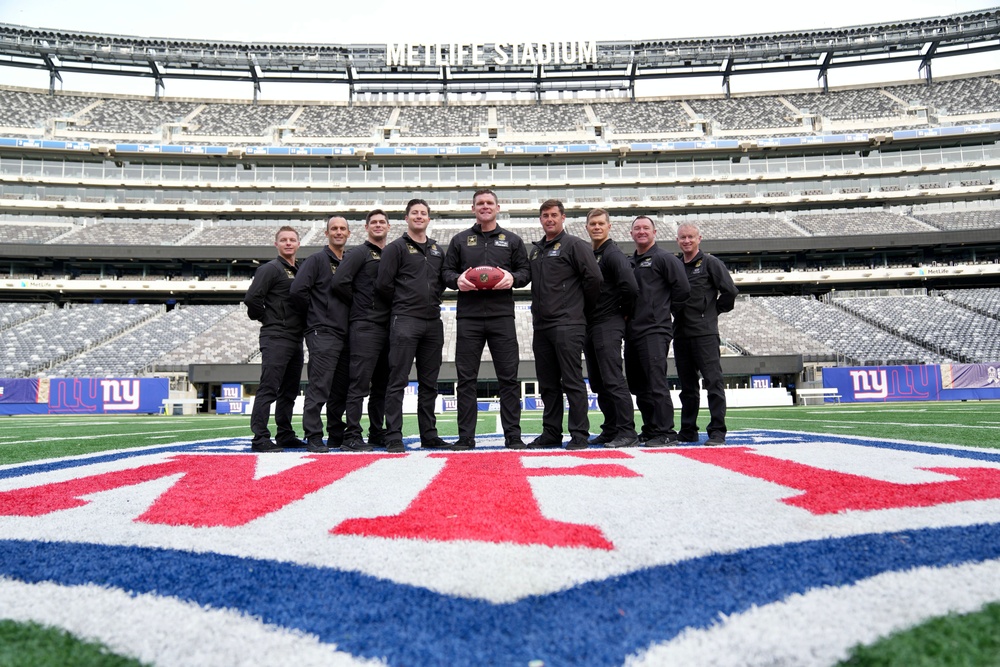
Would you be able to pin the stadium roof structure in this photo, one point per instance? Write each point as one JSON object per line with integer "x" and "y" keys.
{"x": 528, "y": 67}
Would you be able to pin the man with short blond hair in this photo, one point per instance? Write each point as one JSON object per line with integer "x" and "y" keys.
{"x": 696, "y": 337}
{"x": 280, "y": 345}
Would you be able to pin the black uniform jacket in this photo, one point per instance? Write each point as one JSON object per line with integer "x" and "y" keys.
{"x": 311, "y": 293}
{"x": 712, "y": 292}
{"x": 267, "y": 300}
{"x": 662, "y": 285}
{"x": 354, "y": 283}
{"x": 474, "y": 247}
{"x": 618, "y": 289}
{"x": 409, "y": 278}
{"x": 565, "y": 281}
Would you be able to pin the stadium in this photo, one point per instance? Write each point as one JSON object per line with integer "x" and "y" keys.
{"x": 856, "y": 220}
{"x": 861, "y": 224}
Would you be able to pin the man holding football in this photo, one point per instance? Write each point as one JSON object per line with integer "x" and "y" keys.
{"x": 486, "y": 315}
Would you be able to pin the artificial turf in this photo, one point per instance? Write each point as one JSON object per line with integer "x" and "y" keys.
{"x": 971, "y": 639}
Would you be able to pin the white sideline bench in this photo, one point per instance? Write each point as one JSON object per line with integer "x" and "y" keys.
{"x": 170, "y": 402}
{"x": 821, "y": 393}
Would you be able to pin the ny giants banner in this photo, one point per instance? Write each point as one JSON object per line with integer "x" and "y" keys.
{"x": 92, "y": 396}
{"x": 946, "y": 382}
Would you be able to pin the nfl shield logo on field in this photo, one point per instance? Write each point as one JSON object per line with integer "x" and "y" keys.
{"x": 501, "y": 557}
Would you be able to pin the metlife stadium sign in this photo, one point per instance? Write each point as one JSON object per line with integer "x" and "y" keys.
{"x": 514, "y": 54}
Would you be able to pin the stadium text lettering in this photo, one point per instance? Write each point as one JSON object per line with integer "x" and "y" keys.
{"x": 514, "y": 55}
{"x": 485, "y": 497}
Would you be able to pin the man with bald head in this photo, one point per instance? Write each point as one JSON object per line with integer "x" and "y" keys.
{"x": 696, "y": 336}
{"x": 663, "y": 287}
{"x": 325, "y": 333}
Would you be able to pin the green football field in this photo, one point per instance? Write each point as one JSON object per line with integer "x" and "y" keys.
{"x": 972, "y": 639}
{"x": 25, "y": 438}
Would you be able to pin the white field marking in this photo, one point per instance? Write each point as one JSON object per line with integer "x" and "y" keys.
{"x": 821, "y": 626}
{"x": 862, "y": 412}
{"x": 129, "y": 435}
{"x": 207, "y": 442}
{"x": 777, "y": 432}
{"x": 165, "y": 631}
{"x": 832, "y": 421}
{"x": 55, "y": 422}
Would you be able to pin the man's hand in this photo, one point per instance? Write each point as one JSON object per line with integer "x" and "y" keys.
{"x": 464, "y": 284}
{"x": 507, "y": 282}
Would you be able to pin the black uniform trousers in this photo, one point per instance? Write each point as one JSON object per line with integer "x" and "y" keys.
{"x": 324, "y": 356}
{"x": 646, "y": 370}
{"x": 694, "y": 355}
{"x": 603, "y": 349}
{"x": 336, "y": 405}
{"x": 559, "y": 370}
{"x": 368, "y": 375}
{"x": 280, "y": 376}
{"x": 413, "y": 339}
{"x": 473, "y": 334}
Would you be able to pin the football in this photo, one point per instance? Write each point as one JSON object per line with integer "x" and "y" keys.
{"x": 484, "y": 277}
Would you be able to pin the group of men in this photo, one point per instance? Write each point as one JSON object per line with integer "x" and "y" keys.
{"x": 368, "y": 314}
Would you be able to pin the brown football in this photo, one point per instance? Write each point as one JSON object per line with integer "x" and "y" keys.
{"x": 484, "y": 277}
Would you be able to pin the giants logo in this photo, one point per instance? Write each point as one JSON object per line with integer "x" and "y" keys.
{"x": 871, "y": 383}
{"x": 120, "y": 394}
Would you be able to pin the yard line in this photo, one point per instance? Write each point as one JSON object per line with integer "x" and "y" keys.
{"x": 831, "y": 421}
{"x": 52, "y": 423}
{"x": 129, "y": 435}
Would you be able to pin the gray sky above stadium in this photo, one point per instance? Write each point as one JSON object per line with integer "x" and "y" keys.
{"x": 384, "y": 21}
